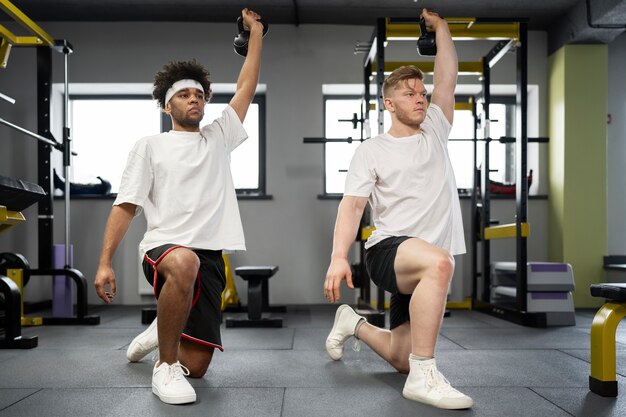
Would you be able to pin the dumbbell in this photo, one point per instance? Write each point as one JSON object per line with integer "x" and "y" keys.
{"x": 426, "y": 45}
{"x": 241, "y": 41}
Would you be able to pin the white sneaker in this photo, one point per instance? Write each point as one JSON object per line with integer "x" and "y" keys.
{"x": 346, "y": 321}
{"x": 427, "y": 385}
{"x": 170, "y": 385}
{"x": 144, "y": 343}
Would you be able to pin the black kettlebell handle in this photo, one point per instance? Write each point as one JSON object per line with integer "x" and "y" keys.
{"x": 426, "y": 44}
{"x": 242, "y": 28}
{"x": 241, "y": 41}
{"x": 240, "y": 24}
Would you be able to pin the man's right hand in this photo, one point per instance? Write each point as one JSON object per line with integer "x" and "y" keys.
{"x": 338, "y": 270}
{"x": 251, "y": 19}
{"x": 432, "y": 19}
{"x": 105, "y": 283}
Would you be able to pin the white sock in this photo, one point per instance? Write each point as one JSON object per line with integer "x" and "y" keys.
{"x": 358, "y": 326}
{"x": 413, "y": 357}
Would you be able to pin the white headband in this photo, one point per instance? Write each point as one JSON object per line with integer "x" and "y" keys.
{"x": 181, "y": 85}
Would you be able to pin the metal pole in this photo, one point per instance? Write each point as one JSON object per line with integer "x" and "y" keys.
{"x": 67, "y": 149}
{"x": 521, "y": 178}
{"x": 29, "y": 133}
{"x": 381, "y": 38}
{"x": 486, "y": 197}
{"x": 44, "y": 168}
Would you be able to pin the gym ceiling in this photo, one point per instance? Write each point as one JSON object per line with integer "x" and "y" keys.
{"x": 565, "y": 20}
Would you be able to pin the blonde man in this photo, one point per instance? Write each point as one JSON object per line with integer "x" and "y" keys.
{"x": 406, "y": 176}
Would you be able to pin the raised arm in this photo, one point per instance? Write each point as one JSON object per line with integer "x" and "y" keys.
{"x": 347, "y": 225}
{"x": 249, "y": 74}
{"x": 117, "y": 226}
{"x": 446, "y": 65}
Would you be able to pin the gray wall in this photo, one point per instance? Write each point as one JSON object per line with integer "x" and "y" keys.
{"x": 294, "y": 229}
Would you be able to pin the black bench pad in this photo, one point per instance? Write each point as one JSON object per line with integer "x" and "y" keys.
{"x": 252, "y": 272}
{"x": 613, "y": 291}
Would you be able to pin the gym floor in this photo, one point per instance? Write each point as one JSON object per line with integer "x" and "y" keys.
{"x": 509, "y": 370}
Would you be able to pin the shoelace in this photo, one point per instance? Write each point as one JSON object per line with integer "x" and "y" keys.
{"x": 176, "y": 373}
{"x": 435, "y": 380}
{"x": 356, "y": 345}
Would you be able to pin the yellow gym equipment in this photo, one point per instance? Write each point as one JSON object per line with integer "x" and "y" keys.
{"x": 15, "y": 196}
{"x": 38, "y": 37}
{"x": 603, "y": 378}
{"x": 229, "y": 296}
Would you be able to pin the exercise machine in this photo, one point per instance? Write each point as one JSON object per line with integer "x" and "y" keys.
{"x": 15, "y": 196}
{"x": 45, "y": 45}
{"x": 549, "y": 290}
{"x": 257, "y": 278}
{"x": 504, "y": 289}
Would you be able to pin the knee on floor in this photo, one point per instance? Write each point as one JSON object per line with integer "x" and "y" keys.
{"x": 400, "y": 363}
{"x": 197, "y": 370}
{"x": 195, "y": 357}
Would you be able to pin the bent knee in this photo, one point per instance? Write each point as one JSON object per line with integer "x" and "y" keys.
{"x": 183, "y": 265}
{"x": 185, "y": 260}
{"x": 197, "y": 371}
{"x": 197, "y": 368}
{"x": 440, "y": 270}
{"x": 444, "y": 265}
{"x": 196, "y": 358}
{"x": 401, "y": 364}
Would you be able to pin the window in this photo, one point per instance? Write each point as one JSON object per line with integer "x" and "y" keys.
{"x": 104, "y": 130}
{"x": 339, "y": 113}
{"x": 248, "y": 160}
{"x": 501, "y": 155}
{"x": 340, "y": 110}
{"x": 461, "y": 148}
{"x": 105, "y": 127}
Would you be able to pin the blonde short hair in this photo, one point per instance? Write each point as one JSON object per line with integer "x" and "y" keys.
{"x": 401, "y": 75}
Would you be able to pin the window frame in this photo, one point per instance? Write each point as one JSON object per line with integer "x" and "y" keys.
{"x": 261, "y": 191}
{"x": 325, "y": 99}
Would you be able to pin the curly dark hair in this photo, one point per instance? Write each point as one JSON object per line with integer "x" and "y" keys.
{"x": 180, "y": 70}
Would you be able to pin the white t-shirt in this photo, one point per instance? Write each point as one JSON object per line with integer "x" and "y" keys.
{"x": 410, "y": 185}
{"x": 182, "y": 181}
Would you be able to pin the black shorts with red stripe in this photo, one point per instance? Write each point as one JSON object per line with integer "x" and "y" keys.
{"x": 205, "y": 317}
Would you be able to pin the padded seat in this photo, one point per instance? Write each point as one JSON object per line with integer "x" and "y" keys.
{"x": 603, "y": 378}
{"x": 15, "y": 196}
{"x": 258, "y": 297}
{"x": 615, "y": 292}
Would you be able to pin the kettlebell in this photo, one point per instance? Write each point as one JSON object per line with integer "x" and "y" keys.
{"x": 426, "y": 45}
{"x": 241, "y": 41}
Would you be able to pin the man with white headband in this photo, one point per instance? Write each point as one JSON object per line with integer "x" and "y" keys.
{"x": 181, "y": 180}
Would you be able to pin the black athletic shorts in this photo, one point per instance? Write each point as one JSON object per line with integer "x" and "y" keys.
{"x": 379, "y": 261}
{"x": 205, "y": 317}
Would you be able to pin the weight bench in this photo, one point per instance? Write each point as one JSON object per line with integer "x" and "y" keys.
{"x": 603, "y": 378}
{"x": 258, "y": 297}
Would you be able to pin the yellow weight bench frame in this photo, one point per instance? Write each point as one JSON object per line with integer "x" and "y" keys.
{"x": 603, "y": 377}
{"x": 229, "y": 295}
{"x": 17, "y": 276}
